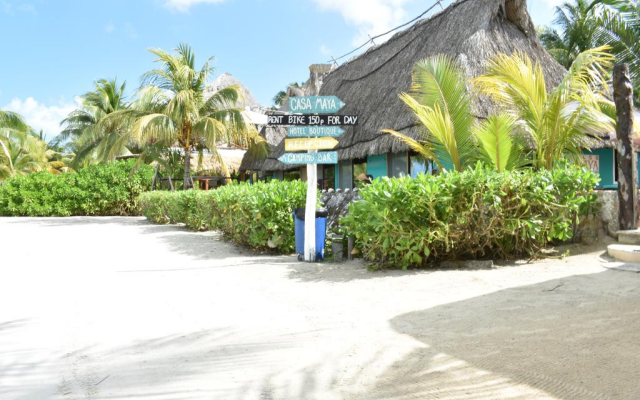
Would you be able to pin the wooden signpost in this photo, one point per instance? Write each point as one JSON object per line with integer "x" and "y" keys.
{"x": 310, "y": 120}
{"x": 315, "y": 104}
{"x": 325, "y": 157}
{"x": 312, "y": 133}
{"x": 323, "y": 143}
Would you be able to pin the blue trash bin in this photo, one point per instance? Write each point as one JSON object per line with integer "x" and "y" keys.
{"x": 321, "y": 231}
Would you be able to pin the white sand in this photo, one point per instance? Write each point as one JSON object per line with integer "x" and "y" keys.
{"x": 117, "y": 308}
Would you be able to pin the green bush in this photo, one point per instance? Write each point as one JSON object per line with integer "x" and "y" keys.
{"x": 257, "y": 215}
{"x": 103, "y": 189}
{"x": 404, "y": 222}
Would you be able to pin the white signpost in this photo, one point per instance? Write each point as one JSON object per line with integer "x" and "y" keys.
{"x": 312, "y": 127}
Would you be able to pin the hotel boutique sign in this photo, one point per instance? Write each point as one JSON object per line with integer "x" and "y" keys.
{"x": 314, "y": 131}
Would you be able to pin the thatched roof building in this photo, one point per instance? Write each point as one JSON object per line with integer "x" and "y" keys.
{"x": 274, "y": 136}
{"x": 471, "y": 31}
{"x": 224, "y": 81}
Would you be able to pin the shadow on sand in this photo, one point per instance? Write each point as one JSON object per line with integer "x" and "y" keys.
{"x": 575, "y": 338}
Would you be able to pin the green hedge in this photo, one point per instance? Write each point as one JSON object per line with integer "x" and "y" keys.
{"x": 479, "y": 213}
{"x": 257, "y": 215}
{"x": 104, "y": 189}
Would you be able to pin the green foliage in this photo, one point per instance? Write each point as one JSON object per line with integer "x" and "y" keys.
{"x": 257, "y": 215}
{"x": 440, "y": 101}
{"x": 452, "y": 137}
{"x": 108, "y": 189}
{"x": 578, "y": 22}
{"x": 556, "y": 122}
{"x": 479, "y": 213}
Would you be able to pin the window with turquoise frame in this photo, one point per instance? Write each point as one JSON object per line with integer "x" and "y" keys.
{"x": 398, "y": 164}
{"x": 418, "y": 164}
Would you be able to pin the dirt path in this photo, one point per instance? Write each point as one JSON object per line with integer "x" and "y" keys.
{"x": 116, "y": 308}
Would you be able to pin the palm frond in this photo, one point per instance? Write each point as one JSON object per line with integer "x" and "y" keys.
{"x": 497, "y": 146}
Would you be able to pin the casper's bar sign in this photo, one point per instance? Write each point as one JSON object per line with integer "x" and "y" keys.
{"x": 309, "y": 120}
{"x": 325, "y": 157}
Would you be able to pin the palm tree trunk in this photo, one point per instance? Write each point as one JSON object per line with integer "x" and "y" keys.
{"x": 187, "y": 168}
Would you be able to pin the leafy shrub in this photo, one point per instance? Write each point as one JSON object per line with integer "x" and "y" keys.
{"x": 104, "y": 189}
{"x": 257, "y": 215}
{"x": 404, "y": 222}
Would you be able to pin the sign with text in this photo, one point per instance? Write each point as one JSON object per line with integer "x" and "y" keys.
{"x": 307, "y": 120}
{"x": 322, "y": 143}
{"x": 325, "y": 157}
{"x": 592, "y": 162}
{"x": 313, "y": 131}
{"x": 315, "y": 104}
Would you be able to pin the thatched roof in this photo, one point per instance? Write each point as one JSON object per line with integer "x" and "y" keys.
{"x": 471, "y": 31}
{"x": 231, "y": 157}
{"x": 274, "y": 136}
{"x": 226, "y": 80}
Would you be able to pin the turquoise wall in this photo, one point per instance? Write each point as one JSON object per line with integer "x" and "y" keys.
{"x": 377, "y": 165}
{"x": 607, "y": 173}
{"x": 335, "y": 176}
{"x": 606, "y": 165}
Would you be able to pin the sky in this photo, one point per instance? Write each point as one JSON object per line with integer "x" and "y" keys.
{"x": 54, "y": 50}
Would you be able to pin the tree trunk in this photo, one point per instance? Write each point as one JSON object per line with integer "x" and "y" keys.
{"x": 627, "y": 186}
{"x": 187, "y": 169}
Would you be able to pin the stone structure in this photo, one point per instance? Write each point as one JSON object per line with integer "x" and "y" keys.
{"x": 337, "y": 203}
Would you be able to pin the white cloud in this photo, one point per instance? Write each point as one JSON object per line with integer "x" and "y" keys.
{"x": 325, "y": 50}
{"x": 110, "y": 27}
{"x": 131, "y": 31}
{"x": 184, "y": 5}
{"x": 9, "y": 9}
{"x": 6, "y": 8}
{"x": 28, "y": 8}
{"x": 371, "y": 17}
{"x": 40, "y": 116}
{"x": 551, "y": 3}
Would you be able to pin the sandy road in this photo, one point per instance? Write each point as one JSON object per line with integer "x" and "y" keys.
{"x": 117, "y": 308}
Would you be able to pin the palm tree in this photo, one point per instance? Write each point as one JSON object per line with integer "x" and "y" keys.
{"x": 21, "y": 151}
{"x": 93, "y": 138}
{"x": 619, "y": 27}
{"x": 281, "y": 96}
{"x": 172, "y": 109}
{"x": 452, "y": 136}
{"x": 578, "y": 26}
{"x": 556, "y": 122}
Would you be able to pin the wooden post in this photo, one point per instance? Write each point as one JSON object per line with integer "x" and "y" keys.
{"x": 627, "y": 186}
{"x": 310, "y": 212}
{"x": 155, "y": 176}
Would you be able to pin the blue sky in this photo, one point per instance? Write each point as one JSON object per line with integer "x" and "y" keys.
{"x": 53, "y": 50}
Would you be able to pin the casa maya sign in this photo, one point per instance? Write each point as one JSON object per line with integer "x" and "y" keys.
{"x": 315, "y": 104}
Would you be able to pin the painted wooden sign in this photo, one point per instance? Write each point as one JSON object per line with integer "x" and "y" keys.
{"x": 315, "y": 104}
{"x": 325, "y": 157}
{"x": 313, "y": 131}
{"x": 313, "y": 120}
{"x": 299, "y": 144}
{"x": 592, "y": 162}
